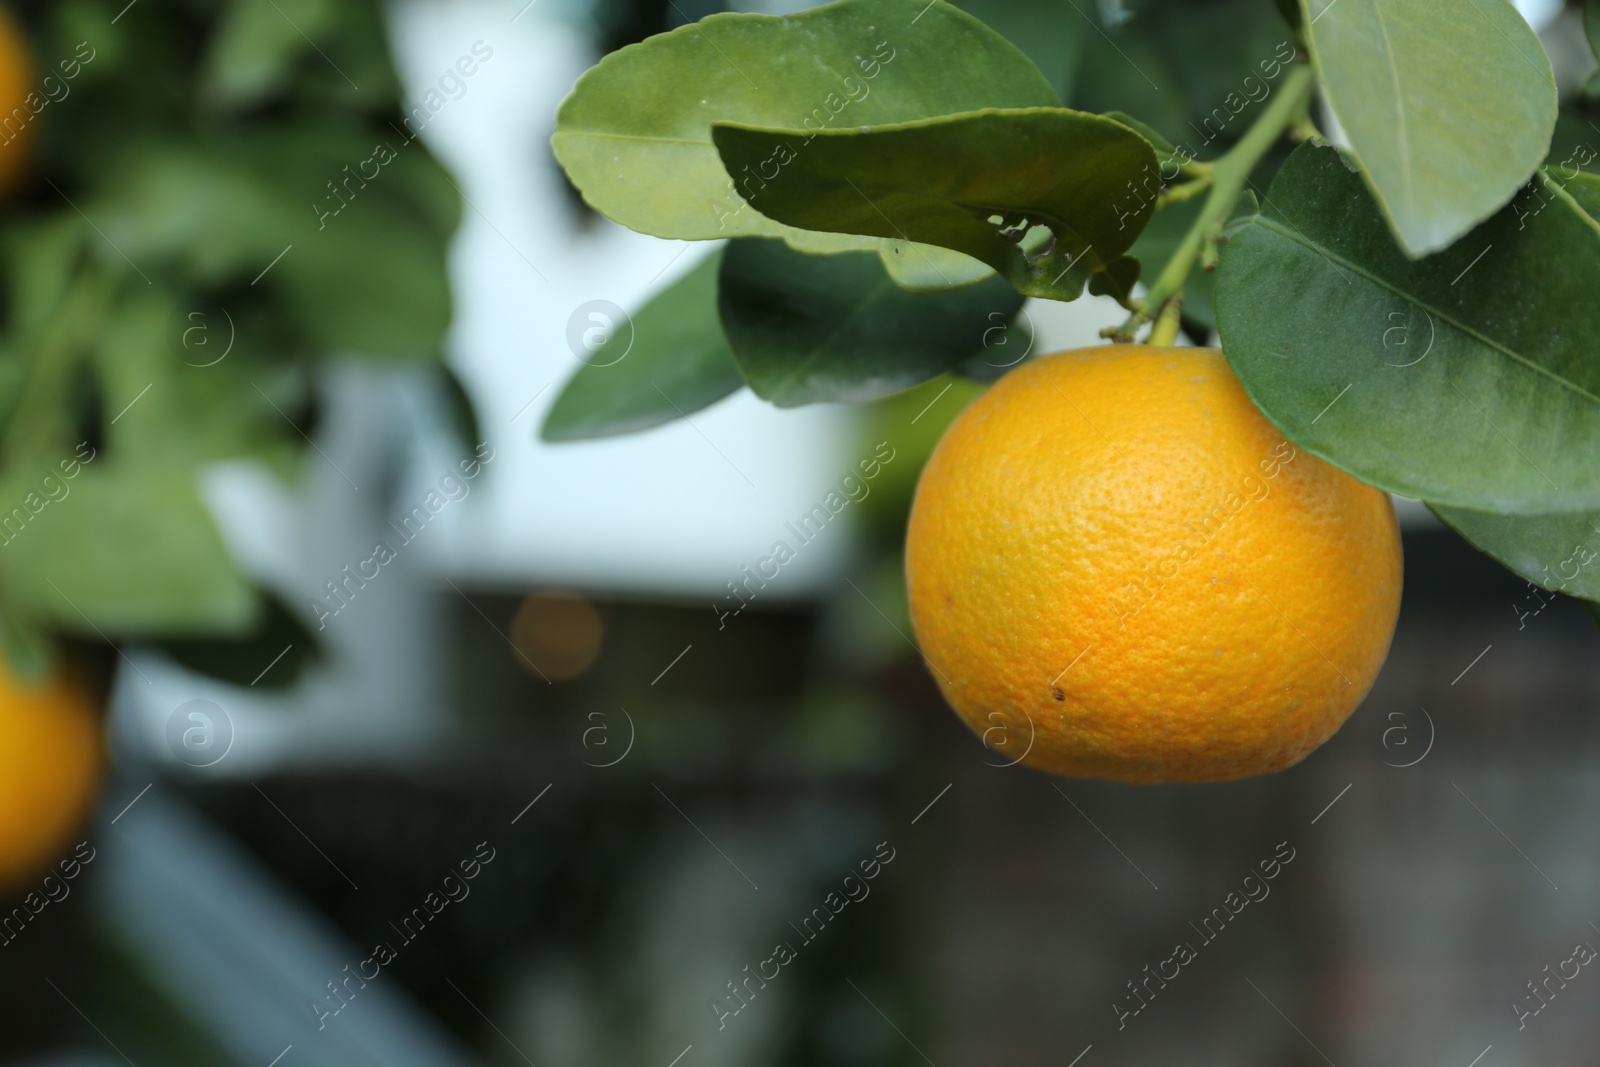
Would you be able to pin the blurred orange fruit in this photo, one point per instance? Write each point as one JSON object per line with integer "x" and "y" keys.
{"x": 1118, "y": 565}
{"x": 16, "y": 120}
{"x": 50, "y": 761}
{"x": 557, "y": 634}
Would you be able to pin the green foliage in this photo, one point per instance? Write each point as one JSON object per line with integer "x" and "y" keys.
{"x": 1418, "y": 310}
{"x": 1442, "y": 146}
{"x": 271, "y": 655}
{"x": 1468, "y": 378}
{"x": 676, "y": 361}
{"x": 806, "y": 329}
{"x": 1559, "y": 552}
{"x": 1037, "y": 194}
{"x": 226, "y": 195}
{"x": 635, "y": 135}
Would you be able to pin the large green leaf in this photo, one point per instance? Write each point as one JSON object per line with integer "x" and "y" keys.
{"x": 635, "y": 135}
{"x": 1468, "y": 378}
{"x": 1449, "y": 104}
{"x": 256, "y": 44}
{"x": 117, "y": 550}
{"x": 807, "y": 328}
{"x": 674, "y": 363}
{"x": 1559, "y": 552}
{"x": 974, "y": 183}
{"x": 1591, "y": 25}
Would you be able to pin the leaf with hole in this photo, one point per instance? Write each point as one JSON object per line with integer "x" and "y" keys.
{"x": 1449, "y": 105}
{"x": 807, "y": 329}
{"x": 1467, "y": 378}
{"x": 635, "y": 135}
{"x": 1048, "y": 197}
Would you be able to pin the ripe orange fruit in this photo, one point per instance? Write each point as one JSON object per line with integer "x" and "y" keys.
{"x": 1117, "y": 564}
{"x": 16, "y": 120}
{"x": 49, "y": 766}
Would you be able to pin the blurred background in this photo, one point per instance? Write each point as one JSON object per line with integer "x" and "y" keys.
{"x": 548, "y": 790}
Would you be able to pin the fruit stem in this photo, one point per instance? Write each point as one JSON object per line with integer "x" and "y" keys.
{"x": 1165, "y": 331}
{"x": 1229, "y": 174}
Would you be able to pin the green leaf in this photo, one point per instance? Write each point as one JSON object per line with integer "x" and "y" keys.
{"x": 674, "y": 362}
{"x": 1467, "y": 378}
{"x": 254, "y": 49}
{"x": 461, "y": 418}
{"x": 808, "y": 329}
{"x": 635, "y": 135}
{"x": 118, "y": 550}
{"x": 1163, "y": 147}
{"x": 1558, "y": 552}
{"x": 946, "y": 181}
{"x": 273, "y": 654}
{"x": 1449, "y": 104}
{"x": 1591, "y": 25}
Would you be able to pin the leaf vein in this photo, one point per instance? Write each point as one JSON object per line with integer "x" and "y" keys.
{"x": 1448, "y": 318}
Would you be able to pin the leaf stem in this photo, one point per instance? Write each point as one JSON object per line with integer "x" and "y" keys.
{"x": 1183, "y": 191}
{"x": 1229, "y": 174}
